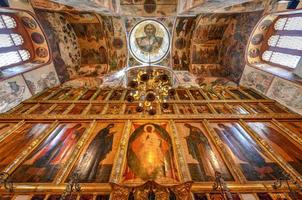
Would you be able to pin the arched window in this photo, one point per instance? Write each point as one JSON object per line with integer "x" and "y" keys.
{"x": 284, "y": 44}
{"x": 12, "y": 50}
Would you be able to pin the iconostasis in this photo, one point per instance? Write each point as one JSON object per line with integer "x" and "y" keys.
{"x": 97, "y": 135}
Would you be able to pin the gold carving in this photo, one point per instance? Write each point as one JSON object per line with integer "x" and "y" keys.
{"x": 119, "y": 192}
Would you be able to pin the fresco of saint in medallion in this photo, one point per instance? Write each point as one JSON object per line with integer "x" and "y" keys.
{"x": 149, "y": 41}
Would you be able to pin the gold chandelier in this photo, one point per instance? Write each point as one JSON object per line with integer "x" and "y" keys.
{"x": 150, "y": 87}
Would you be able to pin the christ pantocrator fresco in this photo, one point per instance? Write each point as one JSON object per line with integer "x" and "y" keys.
{"x": 149, "y": 41}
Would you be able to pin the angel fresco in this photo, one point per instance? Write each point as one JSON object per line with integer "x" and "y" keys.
{"x": 150, "y": 42}
{"x": 150, "y": 155}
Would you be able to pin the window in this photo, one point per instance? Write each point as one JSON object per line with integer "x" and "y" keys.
{"x": 7, "y": 22}
{"x": 9, "y": 40}
{"x": 284, "y": 45}
{"x": 12, "y": 51}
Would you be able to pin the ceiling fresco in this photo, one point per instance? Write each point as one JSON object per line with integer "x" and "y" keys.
{"x": 219, "y": 42}
{"x": 98, "y": 6}
{"x": 194, "y": 7}
{"x": 131, "y": 22}
{"x": 195, "y": 40}
{"x": 156, "y": 8}
{"x": 181, "y": 42}
{"x": 148, "y": 7}
{"x": 149, "y": 41}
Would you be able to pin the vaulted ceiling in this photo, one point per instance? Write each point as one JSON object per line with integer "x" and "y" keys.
{"x": 91, "y": 37}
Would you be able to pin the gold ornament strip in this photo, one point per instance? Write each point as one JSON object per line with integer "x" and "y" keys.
{"x": 11, "y": 130}
{"x": 246, "y": 94}
{"x": 85, "y": 111}
{"x": 232, "y": 94}
{"x": 168, "y": 101}
{"x": 178, "y": 150}
{"x": 104, "y": 116}
{"x": 49, "y": 109}
{"x": 53, "y": 93}
{"x": 97, "y": 92}
{"x": 119, "y": 160}
{"x": 104, "y": 188}
{"x": 81, "y": 94}
{"x": 31, "y": 109}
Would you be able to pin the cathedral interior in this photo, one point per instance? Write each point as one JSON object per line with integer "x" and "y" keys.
{"x": 150, "y": 100}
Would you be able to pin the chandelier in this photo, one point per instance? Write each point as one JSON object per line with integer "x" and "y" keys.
{"x": 149, "y": 88}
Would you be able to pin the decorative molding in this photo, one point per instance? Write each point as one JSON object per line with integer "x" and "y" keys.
{"x": 119, "y": 162}
{"x": 178, "y": 150}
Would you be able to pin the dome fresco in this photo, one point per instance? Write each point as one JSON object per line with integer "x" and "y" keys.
{"x": 149, "y": 41}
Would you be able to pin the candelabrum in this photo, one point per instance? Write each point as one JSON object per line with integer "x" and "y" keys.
{"x": 150, "y": 87}
{"x": 72, "y": 186}
{"x": 6, "y": 181}
{"x": 221, "y": 185}
{"x": 285, "y": 177}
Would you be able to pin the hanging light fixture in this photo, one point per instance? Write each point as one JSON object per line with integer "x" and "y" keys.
{"x": 150, "y": 87}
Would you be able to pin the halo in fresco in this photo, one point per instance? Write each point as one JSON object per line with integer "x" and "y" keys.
{"x": 149, "y": 37}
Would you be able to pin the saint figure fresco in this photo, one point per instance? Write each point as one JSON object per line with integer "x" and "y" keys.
{"x": 89, "y": 168}
{"x": 95, "y": 164}
{"x": 203, "y": 160}
{"x": 44, "y": 163}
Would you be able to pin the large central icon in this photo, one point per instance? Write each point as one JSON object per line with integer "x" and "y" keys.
{"x": 149, "y": 41}
{"x": 150, "y": 155}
